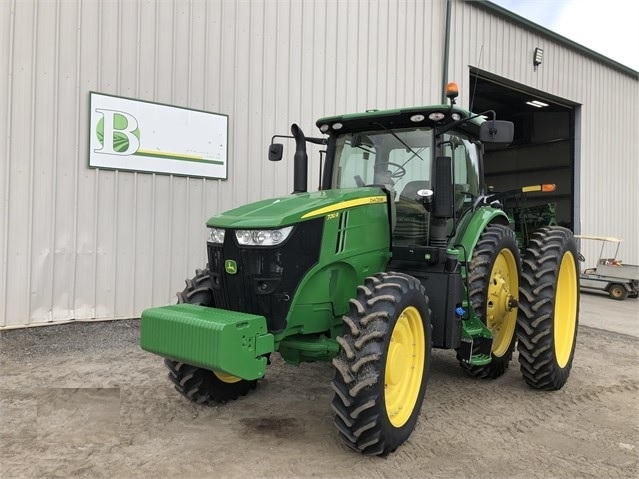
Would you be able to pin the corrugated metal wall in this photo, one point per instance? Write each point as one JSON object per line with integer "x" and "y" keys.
{"x": 80, "y": 243}
{"x": 607, "y": 132}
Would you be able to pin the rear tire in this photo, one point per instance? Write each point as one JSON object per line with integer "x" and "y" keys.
{"x": 493, "y": 278}
{"x": 197, "y": 384}
{"x": 383, "y": 365}
{"x": 548, "y": 308}
{"x": 617, "y": 291}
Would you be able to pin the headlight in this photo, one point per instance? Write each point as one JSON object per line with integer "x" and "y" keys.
{"x": 262, "y": 237}
{"x": 216, "y": 235}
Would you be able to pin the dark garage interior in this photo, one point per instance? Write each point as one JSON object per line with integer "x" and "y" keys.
{"x": 543, "y": 146}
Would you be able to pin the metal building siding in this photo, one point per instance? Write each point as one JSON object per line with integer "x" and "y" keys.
{"x": 80, "y": 243}
{"x": 605, "y": 100}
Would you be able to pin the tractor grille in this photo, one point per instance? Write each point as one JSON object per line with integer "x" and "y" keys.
{"x": 267, "y": 277}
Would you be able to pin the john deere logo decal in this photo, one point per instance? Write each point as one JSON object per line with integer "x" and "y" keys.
{"x": 230, "y": 266}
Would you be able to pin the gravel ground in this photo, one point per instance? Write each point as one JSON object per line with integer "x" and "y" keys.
{"x": 83, "y": 400}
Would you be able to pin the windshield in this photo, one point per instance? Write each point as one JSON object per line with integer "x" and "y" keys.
{"x": 382, "y": 157}
{"x": 401, "y": 161}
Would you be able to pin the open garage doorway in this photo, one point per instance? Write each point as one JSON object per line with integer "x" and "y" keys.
{"x": 543, "y": 149}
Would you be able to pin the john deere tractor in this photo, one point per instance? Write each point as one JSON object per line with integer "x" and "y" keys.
{"x": 401, "y": 250}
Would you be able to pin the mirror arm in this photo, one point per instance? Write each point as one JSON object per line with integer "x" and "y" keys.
{"x": 317, "y": 141}
{"x": 280, "y": 136}
{"x": 445, "y": 128}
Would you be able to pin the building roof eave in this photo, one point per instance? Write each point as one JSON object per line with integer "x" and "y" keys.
{"x": 524, "y": 22}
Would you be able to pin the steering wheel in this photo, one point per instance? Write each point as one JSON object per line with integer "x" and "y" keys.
{"x": 397, "y": 174}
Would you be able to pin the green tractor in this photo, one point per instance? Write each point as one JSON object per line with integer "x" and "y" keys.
{"x": 402, "y": 250}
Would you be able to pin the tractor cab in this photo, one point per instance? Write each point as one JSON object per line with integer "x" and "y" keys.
{"x": 401, "y": 159}
{"x": 427, "y": 159}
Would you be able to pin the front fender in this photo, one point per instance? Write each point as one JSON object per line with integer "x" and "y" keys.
{"x": 473, "y": 225}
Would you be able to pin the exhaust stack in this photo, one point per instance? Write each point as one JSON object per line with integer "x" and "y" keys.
{"x": 300, "y": 165}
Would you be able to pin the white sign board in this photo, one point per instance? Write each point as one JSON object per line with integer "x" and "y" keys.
{"x": 128, "y": 134}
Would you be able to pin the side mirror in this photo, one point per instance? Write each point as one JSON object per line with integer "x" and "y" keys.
{"x": 496, "y": 131}
{"x": 275, "y": 151}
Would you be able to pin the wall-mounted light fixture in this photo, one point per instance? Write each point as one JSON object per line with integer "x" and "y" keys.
{"x": 538, "y": 57}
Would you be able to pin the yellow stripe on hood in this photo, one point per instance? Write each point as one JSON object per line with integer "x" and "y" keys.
{"x": 346, "y": 204}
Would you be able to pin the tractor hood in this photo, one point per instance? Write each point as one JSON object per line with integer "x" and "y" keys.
{"x": 288, "y": 210}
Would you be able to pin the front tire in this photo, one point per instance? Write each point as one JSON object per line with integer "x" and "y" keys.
{"x": 206, "y": 387}
{"x": 197, "y": 384}
{"x": 493, "y": 278}
{"x": 383, "y": 365}
{"x": 548, "y": 308}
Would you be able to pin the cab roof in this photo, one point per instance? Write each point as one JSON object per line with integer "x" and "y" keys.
{"x": 398, "y": 118}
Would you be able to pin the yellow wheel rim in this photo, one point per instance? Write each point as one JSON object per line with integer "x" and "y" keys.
{"x": 226, "y": 378}
{"x": 565, "y": 318}
{"x": 404, "y": 366}
{"x": 501, "y": 310}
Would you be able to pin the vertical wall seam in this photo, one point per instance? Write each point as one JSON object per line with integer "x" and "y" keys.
{"x": 153, "y": 175}
{"x": 218, "y": 182}
{"x": 187, "y": 246}
{"x": 153, "y": 212}
{"x": 29, "y": 255}
{"x": 156, "y": 54}
{"x": 96, "y": 176}
{"x": 170, "y": 259}
{"x": 7, "y": 185}
{"x": 288, "y": 68}
{"x": 185, "y": 219}
{"x": 114, "y": 239}
{"x": 116, "y": 174}
{"x": 173, "y": 49}
{"x": 134, "y": 243}
{"x": 368, "y": 58}
{"x": 138, "y": 47}
{"x": 263, "y": 86}
{"x": 56, "y": 132}
{"x": 332, "y": 95}
{"x": 190, "y": 57}
{"x": 76, "y": 169}
{"x": 249, "y": 99}
{"x": 132, "y": 309}
{"x": 300, "y": 55}
{"x": 118, "y": 64}
{"x": 172, "y": 178}
{"x": 275, "y": 58}
{"x": 205, "y": 96}
{"x": 235, "y": 93}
